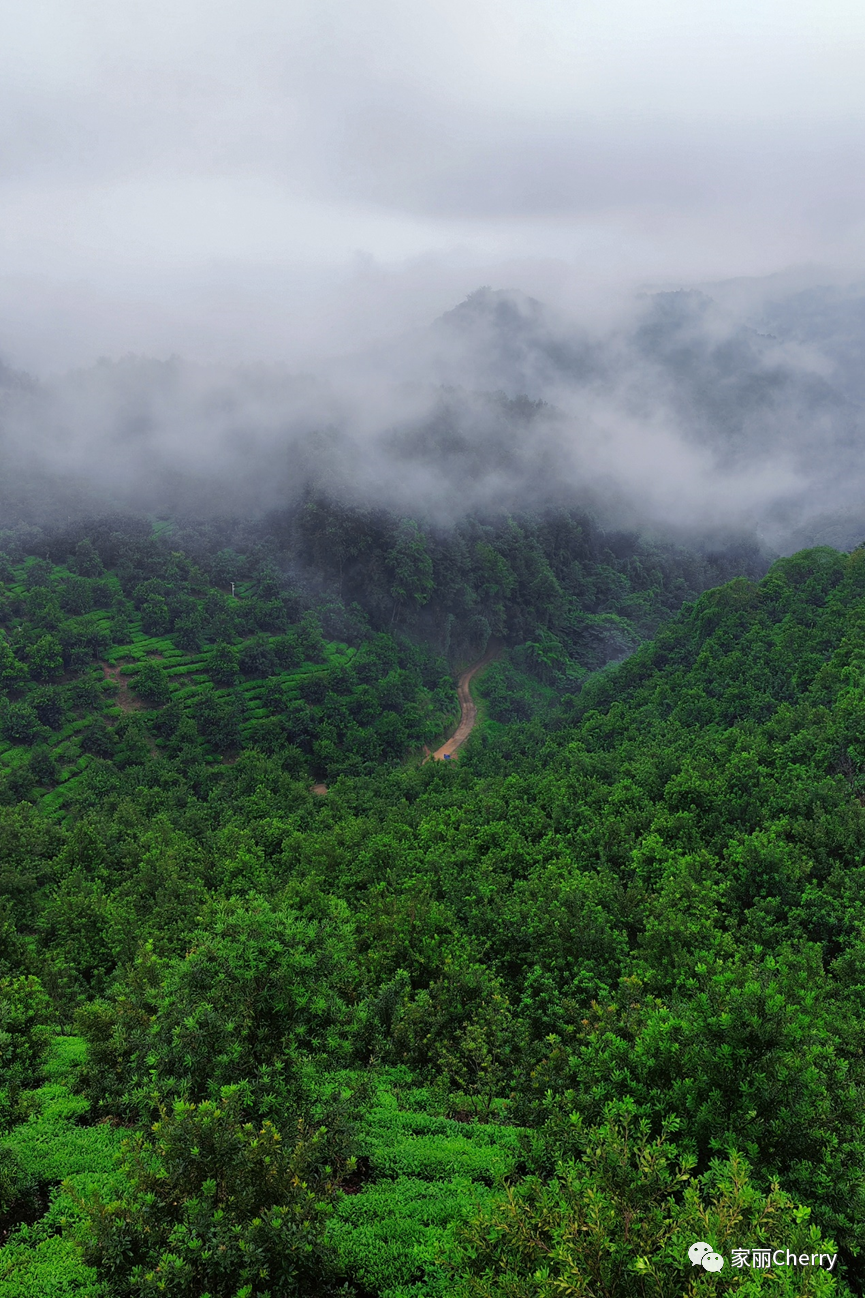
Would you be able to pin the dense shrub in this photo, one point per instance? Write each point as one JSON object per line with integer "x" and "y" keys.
{"x": 219, "y": 1206}
{"x": 151, "y": 684}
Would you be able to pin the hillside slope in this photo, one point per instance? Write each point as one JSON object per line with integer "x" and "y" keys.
{"x": 613, "y": 955}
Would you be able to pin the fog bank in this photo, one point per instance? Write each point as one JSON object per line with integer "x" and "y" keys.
{"x": 684, "y": 409}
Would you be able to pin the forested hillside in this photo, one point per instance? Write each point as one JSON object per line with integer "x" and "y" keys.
{"x": 522, "y": 1025}
{"x": 322, "y": 637}
{"x": 432, "y": 650}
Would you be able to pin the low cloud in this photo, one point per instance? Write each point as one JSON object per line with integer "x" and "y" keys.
{"x": 684, "y": 410}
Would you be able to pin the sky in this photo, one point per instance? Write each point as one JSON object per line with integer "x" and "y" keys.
{"x": 274, "y": 180}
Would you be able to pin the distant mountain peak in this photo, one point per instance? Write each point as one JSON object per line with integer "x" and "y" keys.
{"x": 503, "y": 307}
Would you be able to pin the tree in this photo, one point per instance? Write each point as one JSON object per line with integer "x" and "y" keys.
{"x": 267, "y": 614}
{"x": 256, "y": 657}
{"x": 300, "y": 724}
{"x": 756, "y": 1051}
{"x": 47, "y": 703}
{"x": 151, "y": 684}
{"x": 187, "y": 634}
{"x": 411, "y": 567}
{"x": 43, "y": 766}
{"x": 226, "y": 567}
{"x": 618, "y": 1223}
{"x": 46, "y": 659}
{"x": 220, "y": 1206}
{"x": 13, "y": 672}
{"x": 266, "y": 582}
{"x": 83, "y": 693}
{"x": 218, "y": 719}
{"x": 286, "y": 651}
{"x": 76, "y": 596}
{"x": 391, "y": 733}
{"x": 19, "y": 723}
{"x": 223, "y": 665}
{"x": 477, "y": 1064}
{"x": 83, "y": 927}
{"x": 155, "y": 618}
{"x": 43, "y": 608}
{"x": 274, "y": 696}
{"x": 86, "y": 561}
{"x": 313, "y": 688}
{"x": 97, "y": 738}
{"x": 310, "y": 641}
{"x": 38, "y": 573}
{"x": 259, "y": 991}
{"x": 459, "y": 1025}
{"x": 82, "y": 640}
{"x": 26, "y": 1029}
{"x": 120, "y": 627}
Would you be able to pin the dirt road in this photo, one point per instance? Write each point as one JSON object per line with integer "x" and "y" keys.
{"x": 468, "y": 710}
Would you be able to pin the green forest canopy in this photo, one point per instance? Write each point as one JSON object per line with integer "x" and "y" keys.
{"x": 523, "y": 1025}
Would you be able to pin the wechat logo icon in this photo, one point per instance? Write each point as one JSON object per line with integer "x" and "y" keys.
{"x": 702, "y": 1254}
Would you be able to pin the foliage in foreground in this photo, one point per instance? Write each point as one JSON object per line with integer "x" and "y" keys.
{"x": 217, "y": 1206}
{"x": 618, "y": 1223}
{"x": 646, "y": 911}
{"x": 257, "y": 993}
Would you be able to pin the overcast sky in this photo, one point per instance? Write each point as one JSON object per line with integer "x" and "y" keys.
{"x": 269, "y": 179}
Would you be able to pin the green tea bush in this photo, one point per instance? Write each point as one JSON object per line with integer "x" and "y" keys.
{"x": 394, "y": 1235}
{"x": 428, "y": 1146}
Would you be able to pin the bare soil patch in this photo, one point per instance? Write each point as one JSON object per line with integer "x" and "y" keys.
{"x": 125, "y": 699}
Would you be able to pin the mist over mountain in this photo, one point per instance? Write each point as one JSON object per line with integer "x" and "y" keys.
{"x": 432, "y": 777}
{"x": 689, "y": 411}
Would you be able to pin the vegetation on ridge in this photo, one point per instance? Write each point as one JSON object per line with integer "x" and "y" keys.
{"x": 525, "y": 1024}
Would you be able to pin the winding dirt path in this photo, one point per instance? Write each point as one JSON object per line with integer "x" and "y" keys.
{"x": 468, "y": 710}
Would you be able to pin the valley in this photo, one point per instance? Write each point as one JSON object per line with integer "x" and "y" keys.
{"x": 620, "y": 931}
